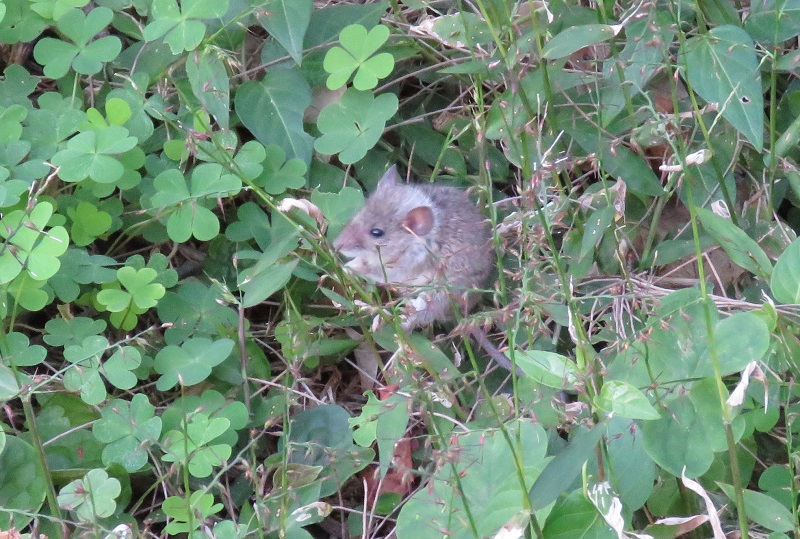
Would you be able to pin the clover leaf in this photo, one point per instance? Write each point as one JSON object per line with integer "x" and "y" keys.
{"x": 18, "y": 351}
{"x": 11, "y": 123}
{"x": 83, "y": 55}
{"x": 181, "y": 24}
{"x": 188, "y": 216}
{"x": 88, "y": 223}
{"x": 354, "y": 125}
{"x": 356, "y": 55}
{"x": 72, "y": 331}
{"x": 118, "y": 368}
{"x": 201, "y": 506}
{"x": 90, "y": 155}
{"x": 280, "y": 174}
{"x": 84, "y": 374}
{"x": 30, "y": 245}
{"x": 92, "y": 497}
{"x": 190, "y": 363}
{"x": 193, "y": 447}
{"x": 127, "y": 429}
{"x": 55, "y": 9}
{"x": 195, "y": 309}
{"x": 139, "y": 290}
{"x": 79, "y": 267}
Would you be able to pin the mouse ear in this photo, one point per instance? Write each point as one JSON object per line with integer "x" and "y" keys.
{"x": 419, "y": 220}
{"x": 390, "y": 178}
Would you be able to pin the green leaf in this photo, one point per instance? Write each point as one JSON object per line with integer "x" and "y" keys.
{"x": 596, "y": 226}
{"x": 354, "y": 125}
{"x": 83, "y": 55}
{"x": 624, "y": 400}
{"x": 118, "y": 368}
{"x": 180, "y": 25}
{"x": 723, "y": 68}
{"x": 88, "y": 223}
{"x": 23, "y": 485}
{"x": 743, "y": 250}
{"x": 17, "y": 350}
{"x": 190, "y": 363}
{"x": 280, "y": 98}
{"x": 493, "y": 477}
{"x": 260, "y": 282}
{"x": 688, "y": 433}
{"x": 287, "y": 21}
{"x": 785, "y": 282}
{"x": 210, "y": 83}
{"x": 565, "y": 467}
{"x": 740, "y": 339}
{"x": 547, "y": 368}
{"x": 11, "y": 123}
{"x": 193, "y": 447}
{"x": 576, "y": 516}
{"x": 92, "y": 497}
{"x": 63, "y": 332}
{"x": 30, "y": 246}
{"x": 356, "y": 55}
{"x": 575, "y": 38}
{"x": 771, "y": 22}
{"x": 127, "y": 429}
{"x": 762, "y": 509}
{"x": 280, "y": 174}
{"x": 89, "y": 155}
{"x": 140, "y": 284}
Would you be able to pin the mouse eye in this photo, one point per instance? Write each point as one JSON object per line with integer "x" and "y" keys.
{"x": 376, "y": 232}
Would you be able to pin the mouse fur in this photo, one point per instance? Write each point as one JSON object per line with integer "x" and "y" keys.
{"x": 429, "y": 241}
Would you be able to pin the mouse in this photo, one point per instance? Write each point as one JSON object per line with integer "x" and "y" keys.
{"x": 430, "y": 242}
{"x": 427, "y": 240}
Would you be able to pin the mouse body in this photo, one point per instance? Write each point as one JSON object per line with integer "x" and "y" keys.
{"x": 428, "y": 241}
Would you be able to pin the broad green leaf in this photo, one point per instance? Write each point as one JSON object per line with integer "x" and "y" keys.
{"x": 9, "y": 387}
{"x": 11, "y": 123}
{"x": 547, "y": 368}
{"x": 773, "y": 21}
{"x": 785, "y": 282}
{"x": 689, "y": 431}
{"x": 287, "y": 21}
{"x": 565, "y": 467}
{"x": 762, "y": 509}
{"x": 575, "y": 38}
{"x": 23, "y": 484}
{"x": 190, "y": 363}
{"x": 354, "y": 125}
{"x": 140, "y": 284}
{"x": 92, "y": 497}
{"x": 624, "y": 400}
{"x": 723, "y": 68}
{"x": 192, "y": 220}
{"x": 210, "y": 83}
{"x": 620, "y": 163}
{"x": 321, "y": 437}
{"x": 576, "y": 516}
{"x": 492, "y": 486}
{"x": 259, "y": 283}
{"x": 272, "y": 110}
{"x": 355, "y": 55}
{"x": 743, "y": 250}
{"x": 596, "y": 226}
{"x": 462, "y": 29}
{"x": 740, "y": 339}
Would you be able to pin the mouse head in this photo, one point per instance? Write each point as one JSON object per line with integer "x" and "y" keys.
{"x": 388, "y": 241}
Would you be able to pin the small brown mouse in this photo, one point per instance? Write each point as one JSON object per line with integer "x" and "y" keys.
{"x": 428, "y": 241}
